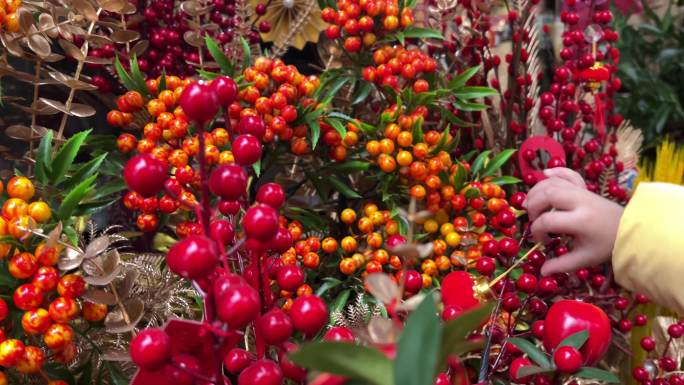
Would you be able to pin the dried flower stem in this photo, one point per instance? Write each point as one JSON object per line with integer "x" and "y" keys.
{"x": 77, "y": 75}
{"x": 36, "y": 87}
{"x": 123, "y": 25}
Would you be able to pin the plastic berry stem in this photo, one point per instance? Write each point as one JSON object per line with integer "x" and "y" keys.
{"x": 204, "y": 200}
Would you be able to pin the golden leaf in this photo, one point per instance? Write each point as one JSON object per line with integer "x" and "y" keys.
{"x": 193, "y": 38}
{"x": 12, "y": 45}
{"x": 85, "y": 8}
{"x": 81, "y": 110}
{"x": 383, "y": 330}
{"x": 115, "y": 322}
{"x": 25, "y": 19}
{"x": 124, "y": 36}
{"x": 99, "y": 296}
{"x": 383, "y": 288}
{"x": 112, "y": 5}
{"x": 71, "y": 49}
{"x": 140, "y": 47}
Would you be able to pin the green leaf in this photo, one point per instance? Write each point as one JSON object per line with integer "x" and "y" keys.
{"x": 472, "y": 193}
{"x": 532, "y": 370}
{"x": 576, "y": 340}
{"x": 417, "y": 355}
{"x": 206, "y": 74}
{"x": 138, "y": 77}
{"x": 474, "y": 92}
{"x": 110, "y": 188}
{"x": 503, "y": 180}
{"x": 84, "y": 171}
{"x": 44, "y": 158}
{"x": 362, "y": 92}
{"x": 219, "y": 57}
{"x": 597, "y": 374}
{"x": 257, "y": 167}
{"x": 461, "y": 79}
{"x": 422, "y": 33}
{"x": 86, "y": 374}
{"x": 57, "y": 371}
{"x": 328, "y": 283}
{"x": 418, "y": 131}
{"x": 338, "y": 126}
{"x": 117, "y": 376}
{"x": 532, "y": 351}
{"x": 74, "y": 197}
{"x": 315, "y": 132}
{"x": 355, "y": 362}
{"x": 352, "y": 165}
{"x": 479, "y": 162}
{"x": 246, "y": 53}
{"x": 66, "y": 155}
{"x": 162, "y": 81}
{"x": 459, "y": 178}
{"x": 456, "y": 330}
{"x": 341, "y": 301}
{"x": 91, "y": 207}
{"x": 333, "y": 89}
{"x": 497, "y": 161}
{"x": 124, "y": 76}
{"x": 400, "y": 37}
{"x": 342, "y": 187}
{"x": 442, "y": 142}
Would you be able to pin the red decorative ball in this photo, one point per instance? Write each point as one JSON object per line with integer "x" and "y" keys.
{"x": 237, "y": 360}
{"x": 290, "y": 277}
{"x": 179, "y": 372}
{"x": 567, "y": 317}
{"x": 226, "y": 90}
{"x": 222, "y": 231}
{"x": 262, "y": 372}
{"x": 309, "y": 314}
{"x": 457, "y": 290}
{"x": 199, "y": 102}
{"x": 271, "y": 194}
{"x": 413, "y": 281}
{"x": 567, "y": 359}
{"x": 193, "y": 257}
{"x": 246, "y": 149}
{"x": 515, "y": 366}
{"x": 275, "y": 326}
{"x": 223, "y": 282}
{"x": 151, "y": 348}
{"x": 229, "y": 181}
{"x": 261, "y": 222}
{"x": 27, "y": 297}
{"x": 282, "y": 241}
{"x": 238, "y": 306}
{"x": 4, "y": 310}
{"x": 289, "y": 369}
{"x": 145, "y": 174}
{"x": 252, "y": 125}
{"x": 339, "y": 333}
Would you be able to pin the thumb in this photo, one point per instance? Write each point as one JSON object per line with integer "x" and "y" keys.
{"x": 566, "y": 263}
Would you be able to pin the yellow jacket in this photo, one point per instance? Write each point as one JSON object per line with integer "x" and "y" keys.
{"x": 648, "y": 256}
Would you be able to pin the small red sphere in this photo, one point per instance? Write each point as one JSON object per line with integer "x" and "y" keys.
{"x": 145, "y": 174}
{"x": 515, "y": 366}
{"x": 567, "y": 359}
{"x": 309, "y": 314}
{"x": 151, "y": 348}
{"x": 199, "y": 102}
{"x": 226, "y": 90}
{"x": 275, "y": 326}
{"x": 193, "y": 257}
{"x": 27, "y": 297}
{"x": 238, "y": 306}
{"x": 271, "y": 194}
{"x": 246, "y": 149}
{"x": 290, "y": 277}
{"x": 229, "y": 181}
{"x": 261, "y": 222}
{"x": 262, "y": 372}
{"x": 237, "y": 360}
{"x": 413, "y": 281}
{"x": 222, "y": 231}
{"x": 252, "y": 125}
{"x": 339, "y": 333}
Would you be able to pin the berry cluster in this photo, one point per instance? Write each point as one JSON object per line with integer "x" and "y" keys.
{"x": 9, "y": 18}
{"x": 48, "y": 299}
{"x": 361, "y": 23}
{"x": 398, "y": 67}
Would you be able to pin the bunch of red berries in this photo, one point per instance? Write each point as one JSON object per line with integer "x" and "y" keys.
{"x": 361, "y": 23}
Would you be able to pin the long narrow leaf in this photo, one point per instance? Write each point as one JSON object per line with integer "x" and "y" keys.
{"x": 85, "y": 171}
{"x": 124, "y": 76}
{"x": 417, "y": 346}
{"x": 479, "y": 162}
{"x": 461, "y": 79}
{"x": 66, "y": 155}
{"x": 44, "y": 158}
{"x": 342, "y": 187}
{"x": 532, "y": 351}
{"x": 74, "y": 197}
{"x": 497, "y": 161}
{"x": 220, "y": 58}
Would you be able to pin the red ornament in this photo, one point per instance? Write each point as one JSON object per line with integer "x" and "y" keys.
{"x": 261, "y": 222}
{"x": 458, "y": 289}
{"x": 238, "y": 306}
{"x": 275, "y": 326}
{"x": 151, "y": 348}
{"x": 246, "y": 149}
{"x": 567, "y": 359}
{"x": 290, "y": 277}
{"x": 262, "y": 372}
{"x": 534, "y": 143}
{"x": 226, "y": 90}
{"x": 309, "y": 314}
{"x": 199, "y": 102}
{"x": 339, "y": 333}
{"x": 229, "y": 181}
{"x": 271, "y": 194}
{"x": 145, "y": 174}
{"x": 567, "y": 317}
{"x": 193, "y": 257}
{"x": 237, "y": 360}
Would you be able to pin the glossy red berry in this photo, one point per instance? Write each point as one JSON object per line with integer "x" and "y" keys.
{"x": 180, "y": 372}
{"x": 238, "y": 306}
{"x": 224, "y": 281}
{"x": 151, "y": 348}
{"x": 567, "y": 359}
{"x": 193, "y": 257}
{"x": 27, "y": 297}
{"x": 275, "y": 326}
{"x": 485, "y": 266}
{"x": 262, "y": 372}
{"x": 237, "y": 360}
{"x": 227, "y": 207}
{"x": 527, "y": 283}
{"x": 271, "y": 194}
{"x": 515, "y": 367}
{"x": 282, "y": 241}
{"x": 675, "y": 330}
{"x": 145, "y": 174}
{"x": 246, "y": 149}
{"x": 199, "y": 102}
{"x": 229, "y": 181}
{"x": 648, "y": 343}
{"x": 222, "y": 231}
{"x": 309, "y": 314}
{"x": 339, "y": 333}
{"x": 289, "y": 369}
{"x": 4, "y": 310}
{"x": 261, "y": 222}
{"x": 252, "y": 125}
{"x": 413, "y": 281}
{"x": 290, "y": 277}
{"x": 226, "y": 90}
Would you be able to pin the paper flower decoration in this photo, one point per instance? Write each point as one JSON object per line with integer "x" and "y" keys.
{"x": 293, "y": 22}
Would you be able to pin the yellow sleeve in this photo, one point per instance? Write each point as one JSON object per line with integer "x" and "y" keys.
{"x": 648, "y": 256}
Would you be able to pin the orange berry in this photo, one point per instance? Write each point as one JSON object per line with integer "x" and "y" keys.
{"x": 381, "y": 255}
{"x": 404, "y": 158}
{"x": 19, "y": 226}
{"x": 365, "y": 225}
{"x": 429, "y": 267}
{"x": 348, "y": 244}
{"x": 369, "y": 209}
{"x": 418, "y": 192}
{"x": 10, "y": 352}
{"x": 405, "y": 138}
{"x": 387, "y": 146}
{"x": 443, "y": 263}
{"x": 392, "y": 130}
{"x": 427, "y": 281}
{"x": 373, "y": 267}
{"x": 36, "y": 321}
{"x": 311, "y": 260}
{"x": 39, "y": 211}
{"x": 433, "y": 182}
{"x": 20, "y": 187}
{"x": 420, "y": 150}
{"x": 348, "y": 216}
{"x": 374, "y": 240}
{"x": 418, "y": 170}
{"x": 58, "y": 336}
{"x": 304, "y": 290}
{"x": 347, "y": 266}
{"x": 373, "y": 147}
{"x": 387, "y": 163}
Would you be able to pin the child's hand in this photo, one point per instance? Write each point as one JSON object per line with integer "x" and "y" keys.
{"x": 590, "y": 219}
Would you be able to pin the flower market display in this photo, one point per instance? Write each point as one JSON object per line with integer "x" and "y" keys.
{"x": 299, "y": 192}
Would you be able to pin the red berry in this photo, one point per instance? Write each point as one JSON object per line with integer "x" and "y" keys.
{"x": 509, "y": 247}
{"x": 567, "y": 359}
{"x": 290, "y": 370}
{"x": 262, "y": 372}
{"x": 238, "y": 306}
{"x": 145, "y": 174}
{"x": 485, "y": 266}
{"x": 282, "y": 241}
{"x": 151, "y": 348}
{"x": 675, "y": 330}
{"x": 309, "y": 314}
{"x": 4, "y": 310}
{"x": 252, "y": 125}
{"x": 648, "y": 344}
{"x": 27, "y": 297}
{"x": 229, "y": 181}
{"x": 223, "y": 282}
{"x": 222, "y": 231}
{"x": 339, "y": 333}
{"x": 180, "y": 372}
{"x": 640, "y": 374}
{"x": 199, "y": 102}
{"x": 261, "y": 222}
{"x": 290, "y": 277}
{"x": 451, "y": 312}
{"x": 538, "y": 329}
{"x": 515, "y": 366}
{"x": 271, "y": 194}
{"x": 413, "y": 281}
{"x": 246, "y": 149}
{"x": 229, "y": 207}
{"x": 548, "y": 285}
{"x": 275, "y": 326}
{"x": 527, "y": 283}
{"x": 226, "y": 90}
{"x": 237, "y": 360}
{"x": 193, "y": 257}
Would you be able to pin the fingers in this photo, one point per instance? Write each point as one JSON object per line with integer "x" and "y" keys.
{"x": 553, "y": 193}
{"x": 566, "y": 174}
{"x": 557, "y": 222}
{"x": 569, "y": 262}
